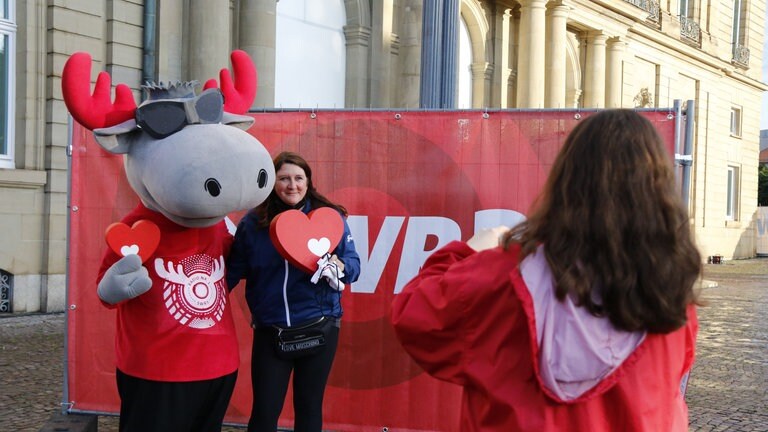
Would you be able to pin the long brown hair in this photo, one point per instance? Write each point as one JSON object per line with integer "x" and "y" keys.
{"x": 273, "y": 205}
{"x": 614, "y": 229}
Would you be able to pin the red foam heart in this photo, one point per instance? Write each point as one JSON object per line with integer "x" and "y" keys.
{"x": 142, "y": 238}
{"x": 303, "y": 238}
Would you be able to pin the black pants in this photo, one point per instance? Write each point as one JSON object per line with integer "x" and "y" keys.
{"x": 271, "y": 374}
{"x": 156, "y": 406}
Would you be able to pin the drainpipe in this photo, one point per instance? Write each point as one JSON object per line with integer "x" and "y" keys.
{"x": 149, "y": 63}
{"x": 690, "y": 110}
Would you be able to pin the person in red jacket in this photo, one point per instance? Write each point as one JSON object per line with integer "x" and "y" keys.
{"x": 581, "y": 318}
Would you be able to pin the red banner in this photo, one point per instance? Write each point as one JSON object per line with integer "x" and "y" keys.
{"x": 412, "y": 181}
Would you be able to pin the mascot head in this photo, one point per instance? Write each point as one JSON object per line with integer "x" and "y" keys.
{"x": 186, "y": 154}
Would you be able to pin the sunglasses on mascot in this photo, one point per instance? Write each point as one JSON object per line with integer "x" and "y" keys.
{"x": 164, "y": 118}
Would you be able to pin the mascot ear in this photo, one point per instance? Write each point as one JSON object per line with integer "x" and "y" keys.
{"x": 236, "y": 120}
{"x": 117, "y": 139}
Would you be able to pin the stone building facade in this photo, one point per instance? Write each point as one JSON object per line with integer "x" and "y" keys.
{"x": 524, "y": 54}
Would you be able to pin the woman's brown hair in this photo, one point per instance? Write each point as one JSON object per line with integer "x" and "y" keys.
{"x": 273, "y": 205}
{"x": 614, "y": 229}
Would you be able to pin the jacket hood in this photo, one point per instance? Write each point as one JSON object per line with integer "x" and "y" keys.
{"x": 576, "y": 350}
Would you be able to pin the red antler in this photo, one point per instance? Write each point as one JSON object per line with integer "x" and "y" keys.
{"x": 97, "y": 110}
{"x": 238, "y": 97}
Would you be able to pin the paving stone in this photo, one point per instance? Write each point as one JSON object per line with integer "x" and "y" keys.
{"x": 728, "y": 388}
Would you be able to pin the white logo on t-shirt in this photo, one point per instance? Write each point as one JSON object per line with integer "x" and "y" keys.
{"x": 194, "y": 291}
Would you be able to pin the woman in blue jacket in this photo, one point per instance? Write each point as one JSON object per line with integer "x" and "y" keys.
{"x": 280, "y": 294}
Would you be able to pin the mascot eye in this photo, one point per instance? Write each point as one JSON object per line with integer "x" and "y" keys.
{"x": 213, "y": 187}
{"x": 262, "y": 180}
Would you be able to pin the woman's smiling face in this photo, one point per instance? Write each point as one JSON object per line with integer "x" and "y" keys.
{"x": 291, "y": 184}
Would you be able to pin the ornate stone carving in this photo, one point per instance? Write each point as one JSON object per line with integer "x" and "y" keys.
{"x": 643, "y": 99}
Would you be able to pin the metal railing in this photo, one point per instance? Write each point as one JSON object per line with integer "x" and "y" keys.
{"x": 740, "y": 55}
{"x": 650, "y": 6}
{"x": 690, "y": 29}
{"x": 6, "y": 291}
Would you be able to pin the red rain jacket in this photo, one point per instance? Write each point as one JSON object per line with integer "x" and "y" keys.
{"x": 468, "y": 318}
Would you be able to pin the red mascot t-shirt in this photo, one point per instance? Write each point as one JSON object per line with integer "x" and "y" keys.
{"x": 182, "y": 328}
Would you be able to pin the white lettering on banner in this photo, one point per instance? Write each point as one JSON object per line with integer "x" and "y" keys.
{"x": 413, "y": 255}
{"x": 416, "y": 234}
{"x": 371, "y": 267}
{"x": 496, "y": 217}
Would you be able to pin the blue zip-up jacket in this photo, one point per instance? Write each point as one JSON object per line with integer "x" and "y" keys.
{"x": 278, "y": 293}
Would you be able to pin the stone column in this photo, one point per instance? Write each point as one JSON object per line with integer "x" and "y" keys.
{"x": 512, "y": 86}
{"x": 530, "y": 62}
{"x": 407, "y": 89}
{"x": 209, "y": 37}
{"x": 381, "y": 52}
{"x": 501, "y": 55}
{"x": 258, "y": 28}
{"x": 594, "y": 88}
{"x": 170, "y": 42}
{"x": 357, "y": 93}
{"x": 394, "y": 66}
{"x": 481, "y": 88}
{"x": 554, "y": 88}
{"x": 615, "y": 78}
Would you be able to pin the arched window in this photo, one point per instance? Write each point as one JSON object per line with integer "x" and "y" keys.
{"x": 311, "y": 54}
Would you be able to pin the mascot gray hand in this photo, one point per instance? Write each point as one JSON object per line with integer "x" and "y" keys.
{"x": 125, "y": 280}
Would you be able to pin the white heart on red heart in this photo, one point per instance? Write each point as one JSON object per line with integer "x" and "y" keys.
{"x": 319, "y": 247}
{"x": 127, "y": 250}
{"x": 303, "y": 238}
{"x": 141, "y": 239}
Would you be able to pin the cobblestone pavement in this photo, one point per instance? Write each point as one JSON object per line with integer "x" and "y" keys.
{"x": 728, "y": 387}
{"x": 727, "y": 391}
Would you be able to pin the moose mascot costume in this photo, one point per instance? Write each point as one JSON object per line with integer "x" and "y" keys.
{"x": 191, "y": 163}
